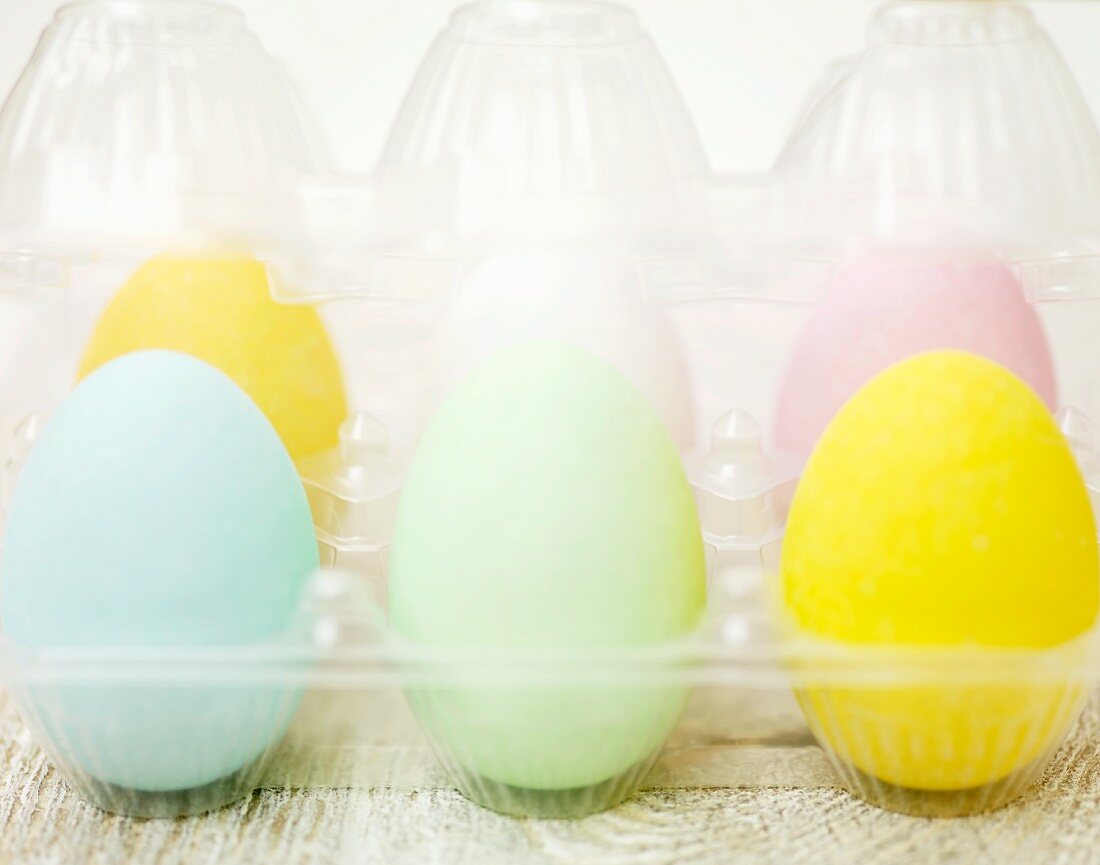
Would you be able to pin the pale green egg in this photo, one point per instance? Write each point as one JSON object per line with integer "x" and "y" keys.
{"x": 546, "y": 509}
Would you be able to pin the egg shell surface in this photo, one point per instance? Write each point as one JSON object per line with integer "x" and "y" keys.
{"x": 943, "y": 508}
{"x": 158, "y": 509}
{"x": 585, "y": 299}
{"x": 219, "y": 309}
{"x": 546, "y": 509}
{"x": 885, "y": 306}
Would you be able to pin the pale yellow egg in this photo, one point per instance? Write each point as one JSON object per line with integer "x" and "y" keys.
{"x": 219, "y": 309}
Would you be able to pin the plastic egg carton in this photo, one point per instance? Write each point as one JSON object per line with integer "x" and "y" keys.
{"x": 958, "y": 131}
{"x": 955, "y": 144}
{"x": 541, "y": 180}
{"x": 559, "y": 193}
{"x": 360, "y": 706}
{"x": 150, "y": 129}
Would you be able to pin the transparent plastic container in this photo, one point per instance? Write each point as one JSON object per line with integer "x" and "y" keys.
{"x": 542, "y": 181}
{"x": 140, "y": 132}
{"x": 958, "y": 132}
{"x": 364, "y": 708}
{"x": 937, "y": 190}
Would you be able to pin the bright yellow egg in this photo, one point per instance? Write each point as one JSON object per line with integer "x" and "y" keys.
{"x": 943, "y": 508}
{"x": 220, "y": 310}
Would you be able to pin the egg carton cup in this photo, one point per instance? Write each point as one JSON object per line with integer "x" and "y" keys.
{"x": 927, "y": 742}
{"x": 91, "y": 748}
{"x": 528, "y": 121}
{"x": 521, "y": 740}
{"x": 979, "y": 799}
{"x": 136, "y": 125}
{"x": 341, "y": 700}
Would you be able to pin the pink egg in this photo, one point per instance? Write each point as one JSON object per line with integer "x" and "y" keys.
{"x": 882, "y": 308}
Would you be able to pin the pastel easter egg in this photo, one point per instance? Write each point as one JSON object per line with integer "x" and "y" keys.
{"x": 942, "y": 511}
{"x": 582, "y": 298}
{"x": 885, "y": 306}
{"x": 546, "y": 511}
{"x": 219, "y": 309}
{"x": 158, "y": 510}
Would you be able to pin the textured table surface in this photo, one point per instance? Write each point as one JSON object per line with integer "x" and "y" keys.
{"x": 1058, "y": 821}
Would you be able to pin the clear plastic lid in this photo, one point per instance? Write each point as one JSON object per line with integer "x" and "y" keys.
{"x": 958, "y": 125}
{"x": 528, "y": 121}
{"x": 135, "y": 125}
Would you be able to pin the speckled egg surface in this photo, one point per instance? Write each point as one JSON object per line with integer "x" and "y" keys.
{"x": 942, "y": 507}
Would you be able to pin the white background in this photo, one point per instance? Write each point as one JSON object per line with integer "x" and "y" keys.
{"x": 743, "y": 65}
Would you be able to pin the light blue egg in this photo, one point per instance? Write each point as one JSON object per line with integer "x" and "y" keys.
{"x": 158, "y": 509}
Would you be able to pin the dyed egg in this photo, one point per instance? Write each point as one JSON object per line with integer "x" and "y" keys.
{"x": 158, "y": 509}
{"x": 584, "y": 299}
{"x": 546, "y": 509}
{"x": 219, "y": 309}
{"x": 943, "y": 508}
{"x": 884, "y": 307}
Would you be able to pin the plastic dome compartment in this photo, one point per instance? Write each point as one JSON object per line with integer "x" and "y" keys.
{"x": 958, "y": 130}
{"x": 137, "y": 131}
{"x": 540, "y": 142}
{"x": 951, "y": 169}
{"x": 958, "y": 123}
{"x": 140, "y": 124}
{"x": 144, "y": 128}
{"x": 527, "y": 122}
